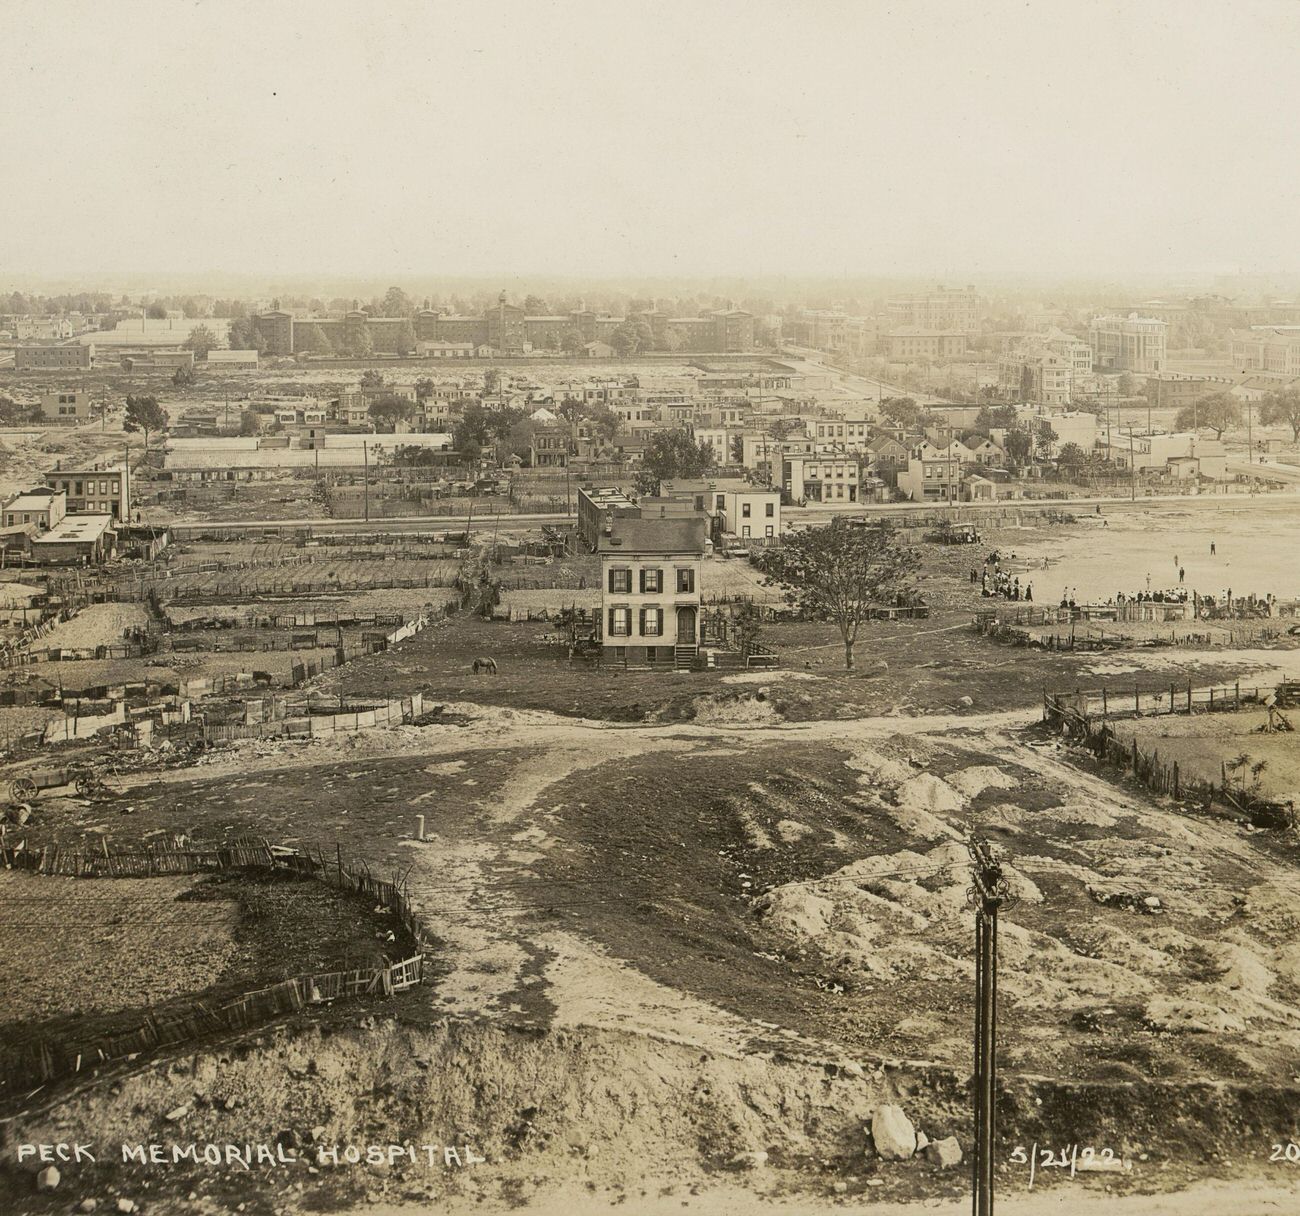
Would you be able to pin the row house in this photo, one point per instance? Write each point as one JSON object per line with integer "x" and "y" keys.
{"x": 824, "y": 477}
{"x": 732, "y": 505}
{"x": 842, "y": 433}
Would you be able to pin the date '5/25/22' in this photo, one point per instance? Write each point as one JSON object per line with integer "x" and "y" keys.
{"x": 1073, "y": 1157}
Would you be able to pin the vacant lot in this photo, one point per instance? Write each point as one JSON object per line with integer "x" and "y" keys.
{"x": 1202, "y": 744}
{"x": 91, "y": 957}
{"x": 96, "y": 625}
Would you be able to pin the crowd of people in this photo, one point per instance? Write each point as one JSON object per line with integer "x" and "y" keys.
{"x": 996, "y": 583}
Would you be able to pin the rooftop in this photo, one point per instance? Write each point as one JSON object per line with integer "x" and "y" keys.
{"x": 74, "y": 529}
{"x": 633, "y": 536}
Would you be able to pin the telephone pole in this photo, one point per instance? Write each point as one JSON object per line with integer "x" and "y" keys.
{"x": 989, "y": 892}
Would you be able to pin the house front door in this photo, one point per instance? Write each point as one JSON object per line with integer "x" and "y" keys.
{"x": 686, "y": 626}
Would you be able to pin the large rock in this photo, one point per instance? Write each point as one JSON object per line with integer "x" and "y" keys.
{"x": 892, "y": 1133}
{"x": 944, "y": 1153}
{"x": 48, "y": 1179}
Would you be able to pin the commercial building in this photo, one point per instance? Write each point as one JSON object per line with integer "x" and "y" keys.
{"x": 1173, "y": 390}
{"x": 502, "y": 329}
{"x": 96, "y": 489}
{"x": 233, "y": 360}
{"x": 85, "y": 539}
{"x": 1159, "y": 450}
{"x": 598, "y": 508}
{"x": 733, "y": 506}
{"x": 651, "y": 582}
{"x": 942, "y": 309}
{"x": 910, "y": 344}
{"x": 53, "y": 356}
{"x": 66, "y": 405}
{"x": 1271, "y": 349}
{"x": 824, "y": 477}
{"x": 1128, "y": 344}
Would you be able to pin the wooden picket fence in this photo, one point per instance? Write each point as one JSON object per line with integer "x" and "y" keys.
{"x": 35, "y": 1064}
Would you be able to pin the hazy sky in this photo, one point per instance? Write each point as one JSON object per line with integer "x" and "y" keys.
{"x": 756, "y": 137}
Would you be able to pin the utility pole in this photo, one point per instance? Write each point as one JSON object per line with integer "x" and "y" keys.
{"x": 1250, "y": 434}
{"x": 365, "y": 465}
{"x": 1132, "y": 466}
{"x": 988, "y": 893}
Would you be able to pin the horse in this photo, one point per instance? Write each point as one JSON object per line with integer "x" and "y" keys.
{"x": 484, "y": 664}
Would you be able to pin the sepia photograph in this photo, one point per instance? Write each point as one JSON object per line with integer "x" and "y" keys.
{"x": 673, "y": 608}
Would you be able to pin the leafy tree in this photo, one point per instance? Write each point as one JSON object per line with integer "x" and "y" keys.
{"x": 491, "y": 381}
{"x": 471, "y": 432}
{"x": 183, "y": 377}
{"x": 902, "y": 412}
{"x": 396, "y": 303}
{"x": 13, "y": 414}
{"x": 672, "y": 454}
{"x": 372, "y": 378}
{"x": 631, "y": 337}
{"x": 313, "y": 340}
{"x": 672, "y": 340}
{"x": 605, "y": 422}
{"x": 738, "y": 449}
{"x": 1071, "y": 456}
{"x": 997, "y": 417}
{"x": 1127, "y": 384}
{"x": 156, "y": 312}
{"x": 1280, "y": 407}
{"x": 404, "y": 339}
{"x": 535, "y": 306}
{"x": 1019, "y": 446}
{"x": 1044, "y": 436}
{"x": 243, "y": 334}
{"x": 518, "y": 440}
{"x": 1217, "y": 413}
{"x": 357, "y": 343}
{"x": 839, "y": 572}
{"x": 572, "y": 341}
{"x": 200, "y": 341}
{"x": 424, "y": 387}
{"x": 249, "y": 423}
{"x": 391, "y": 409}
{"x": 144, "y": 414}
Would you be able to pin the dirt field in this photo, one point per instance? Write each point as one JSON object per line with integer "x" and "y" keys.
{"x": 97, "y": 625}
{"x": 127, "y": 946}
{"x": 1202, "y": 743}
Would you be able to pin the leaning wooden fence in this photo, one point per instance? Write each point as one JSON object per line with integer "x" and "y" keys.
{"x": 34, "y": 1064}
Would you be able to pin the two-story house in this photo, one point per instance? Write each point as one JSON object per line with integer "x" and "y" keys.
{"x": 650, "y": 589}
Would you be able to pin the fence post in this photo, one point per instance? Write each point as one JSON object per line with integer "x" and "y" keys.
{"x": 1135, "y": 756}
{"x": 1105, "y": 709}
{"x": 1176, "y": 782}
{"x": 1189, "y": 694}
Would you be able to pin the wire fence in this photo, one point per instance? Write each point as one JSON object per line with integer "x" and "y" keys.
{"x": 40, "y": 1061}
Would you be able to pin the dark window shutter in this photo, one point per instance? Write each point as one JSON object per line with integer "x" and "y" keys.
{"x": 642, "y": 626}
{"x": 611, "y": 622}
{"x": 659, "y": 618}
{"x": 612, "y": 573}
{"x": 642, "y": 580}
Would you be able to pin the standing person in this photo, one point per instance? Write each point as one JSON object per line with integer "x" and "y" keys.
{"x": 1182, "y": 573}
{"x": 1175, "y": 559}
{"x": 1212, "y": 549}
{"x": 1029, "y": 593}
